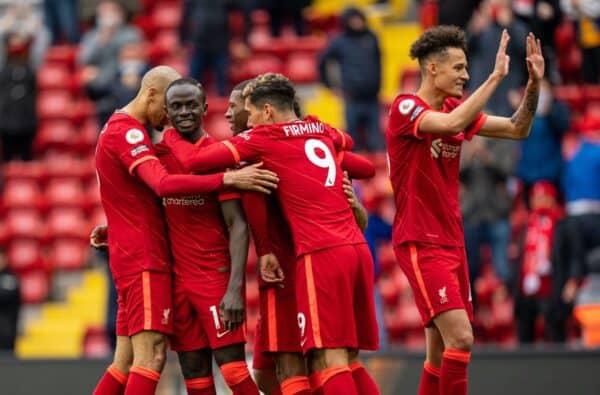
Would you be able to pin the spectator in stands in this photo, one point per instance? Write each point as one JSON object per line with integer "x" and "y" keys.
{"x": 552, "y": 120}
{"x": 205, "y": 26}
{"x": 581, "y": 233}
{"x": 87, "y": 9}
{"x": 10, "y": 304}
{"x": 587, "y": 14}
{"x": 456, "y": 12}
{"x": 62, "y": 21}
{"x": 278, "y": 10}
{"x": 486, "y": 202}
{"x": 23, "y": 21}
{"x": 357, "y": 53}
{"x": 116, "y": 93}
{"x": 534, "y": 285}
{"x": 17, "y": 100}
{"x": 100, "y": 47}
{"x": 486, "y": 27}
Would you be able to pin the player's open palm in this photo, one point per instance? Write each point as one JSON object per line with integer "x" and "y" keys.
{"x": 270, "y": 269}
{"x": 502, "y": 59}
{"x": 535, "y": 59}
{"x": 232, "y": 309}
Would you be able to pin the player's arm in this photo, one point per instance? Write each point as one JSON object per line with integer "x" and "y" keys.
{"x": 232, "y": 304}
{"x": 519, "y": 125}
{"x": 357, "y": 166}
{"x": 360, "y": 212}
{"x": 463, "y": 115}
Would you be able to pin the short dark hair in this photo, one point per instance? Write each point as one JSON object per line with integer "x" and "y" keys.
{"x": 240, "y": 87}
{"x": 436, "y": 40}
{"x": 187, "y": 81}
{"x": 275, "y": 89}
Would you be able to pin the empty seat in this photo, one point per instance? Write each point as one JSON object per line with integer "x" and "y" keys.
{"x": 54, "y": 105}
{"x": 53, "y": 77}
{"x": 24, "y": 224}
{"x": 18, "y": 170}
{"x": 20, "y": 194}
{"x": 67, "y": 224}
{"x": 58, "y": 135}
{"x": 35, "y": 286}
{"x": 68, "y": 254}
{"x": 302, "y": 68}
{"x": 62, "y": 55}
{"x": 256, "y": 65}
{"x": 166, "y": 16}
{"x": 65, "y": 193}
{"x": 25, "y": 255}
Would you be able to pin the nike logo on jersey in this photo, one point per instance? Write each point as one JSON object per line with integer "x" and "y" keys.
{"x": 221, "y": 334}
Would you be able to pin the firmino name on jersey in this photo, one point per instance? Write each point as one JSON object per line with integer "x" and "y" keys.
{"x": 300, "y": 129}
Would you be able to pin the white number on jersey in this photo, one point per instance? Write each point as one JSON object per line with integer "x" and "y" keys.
{"x": 310, "y": 148}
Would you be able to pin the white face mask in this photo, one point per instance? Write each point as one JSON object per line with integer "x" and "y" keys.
{"x": 132, "y": 66}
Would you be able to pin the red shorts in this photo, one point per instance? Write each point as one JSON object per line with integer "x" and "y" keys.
{"x": 334, "y": 292}
{"x": 438, "y": 276}
{"x": 197, "y": 320}
{"x": 144, "y": 303}
{"x": 260, "y": 359}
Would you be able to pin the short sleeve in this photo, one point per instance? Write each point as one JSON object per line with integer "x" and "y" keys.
{"x": 341, "y": 140}
{"x": 405, "y": 115}
{"x": 475, "y": 126}
{"x": 133, "y": 147}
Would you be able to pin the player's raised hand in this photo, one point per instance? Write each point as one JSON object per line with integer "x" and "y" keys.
{"x": 502, "y": 59}
{"x": 270, "y": 269}
{"x": 535, "y": 59}
{"x": 232, "y": 309}
{"x": 252, "y": 178}
{"x": 99, "y": 237}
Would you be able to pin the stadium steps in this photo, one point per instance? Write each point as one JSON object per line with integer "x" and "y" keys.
{"x": 60, "y": 329}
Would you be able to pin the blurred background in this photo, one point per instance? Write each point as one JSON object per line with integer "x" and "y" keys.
{"x": 531, "y": 209}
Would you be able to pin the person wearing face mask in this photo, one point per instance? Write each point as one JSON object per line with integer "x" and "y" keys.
{"x": 357, "y": 53}
{"x": 101, "y": 46}
{"x": 552, "y": 120}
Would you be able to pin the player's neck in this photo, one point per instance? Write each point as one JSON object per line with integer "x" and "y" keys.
{"x": 286, "y": 117}
{"x": 194, "y": 137}
{"x": 432, "y": 96}
{"x": 134, "y": 109}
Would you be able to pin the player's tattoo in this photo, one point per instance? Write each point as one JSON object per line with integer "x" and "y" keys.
{"x": 524, "y": 114}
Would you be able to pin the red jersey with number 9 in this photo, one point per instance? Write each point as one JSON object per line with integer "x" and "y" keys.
{"x": 303, "y": 154}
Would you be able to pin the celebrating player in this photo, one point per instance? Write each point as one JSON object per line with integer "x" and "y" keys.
{"x": 209, "y": 242}
{"x": 424, "y": 138}
{"x": 334, "y": 270}
{"x": 130, "y": 177}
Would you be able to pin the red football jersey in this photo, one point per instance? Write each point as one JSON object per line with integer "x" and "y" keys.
{"x": 424, "y": 169}
{"x": 136, "y": 229}
{"x": 198, "y": 234}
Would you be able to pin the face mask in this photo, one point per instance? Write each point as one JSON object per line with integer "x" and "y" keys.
{"x": 132, "y": 66}
{"x": 108, "y": 21}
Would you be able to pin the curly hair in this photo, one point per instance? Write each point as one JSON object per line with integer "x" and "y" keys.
{"x": 275, "y": 89}
{"x": 436, "y": 40}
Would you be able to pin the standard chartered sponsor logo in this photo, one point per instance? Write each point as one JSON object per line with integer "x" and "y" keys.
{"x": 183, "y": 201}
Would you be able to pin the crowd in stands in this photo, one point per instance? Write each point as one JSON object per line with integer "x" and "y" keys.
{"x": 531, "y": 209}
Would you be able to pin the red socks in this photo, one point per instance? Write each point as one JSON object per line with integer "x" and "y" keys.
{"x": 296, "y": 386}
{"x": 112, "y": 382}
{"x": 238, "y": 378}
{"x": 316, "y": 384}
{"x": 364, "y": 382}
{"x": 453, "y": 373}
{"x": 141, "y": 381}
{"x": 201, "y": 386}
{"x": 338, "y": 380}
{"x": 430, "y": 380}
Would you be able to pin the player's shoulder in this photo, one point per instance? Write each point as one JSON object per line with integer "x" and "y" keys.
{"x": 407, "y": 106}
{"x": 451, "y": 103}
{"x": 123, "y": 124}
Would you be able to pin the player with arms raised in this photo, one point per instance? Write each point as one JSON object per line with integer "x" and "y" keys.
{"x": 424, "y": 138}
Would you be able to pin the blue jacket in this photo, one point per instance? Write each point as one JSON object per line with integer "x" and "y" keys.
{"x": 541, "y": 157}
{"x": 582, "y": 173}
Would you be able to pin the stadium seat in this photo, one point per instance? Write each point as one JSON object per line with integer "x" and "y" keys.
{"x": 179, "y": 63}
{"x": 61, "y": 166}
{"x": 571, "y": 95}
{"x": 54, "y": 105}
{"x": 97, "y": 218}
{"x": 92, "y": 197}
{"x": 18, "y": 170}
{"x": 591, "y": 94}
{"x": 21, "y": 194}
{"x": 53, "y": 77}
{"x": 67, "y": 224}
{"x": 386, "y": 258}
{"x": 252, "y": 299}
{"x": 68, "y": 255}
{"x": 166, "y": 15}
{"x": 25, "y": 255}
{"x": 62, "y": 55}
{"x": 86, "y": 139}
{"x": 35, "y": 286}
{"x": 24, "y": 224}
{"x": 65, "y": 193}
{"x": 255, "y": 65}
{"x": 217, "y": 106}
{"x": 388, "y": 290}
{"x": 163, "y": 46}
{"x": 219, "y": 128}
{"x": 95, "y": 343}
{"x": 82, "y": 109}
{"x": 410, "y": 80}
{"x": 302, "y": 68}
{"x": 58, "y": 135}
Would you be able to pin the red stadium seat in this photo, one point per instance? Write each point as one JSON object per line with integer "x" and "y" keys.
{"x": 59, "y": 135}
{"x": 17, "y": 170}
{"x": 97, "y": 218}
{"x": 35, "y": 286}
{"x": 67, "y": 224}
{"x": 24, "y": 224}
{"x": 95, "y": 343}
{"x": 386, "y": 258}
{"x": 180, "y": 64}
{"x": 92, "y": 197}
{"x": 68, "y": 255}
{"x": 53, "y": 77}
{"x": 388, "y": 290}
{"x": 166, "y": 16}
{"x": 591, "y": 94}
{"x": 219, "y": 128}
{"x": 63, "y": 55}
{"x": 410, "y": 80}
{"x": 54, "y": 105}
{"x": 163, "y": 46}
{"x": 302, "y": 68}
{"x": 252, "y": 299}
{"x": 21, "y": 194}
{"x": 570, "y": 94}
{"x": 64, "y": 166}
{"x": 25, "y": 255}
{"x": 256, "y": 65}
{"x": 82, "y": 109}
{"x": 65, "y": 193}
{"x": 87, "y": 137}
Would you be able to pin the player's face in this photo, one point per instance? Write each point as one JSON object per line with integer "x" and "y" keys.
{"x": 236, "y": 114}
{"x": 156, "y": 109}
{"x": 186, "y": 108}
{"x": 451, "y": 73}
{"x": 257, "y": 115}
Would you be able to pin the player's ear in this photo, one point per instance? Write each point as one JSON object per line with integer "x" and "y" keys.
{"x": 205, "y": 109}
{"x": 151, "y": 94}
{"x": 432, "y": 68}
